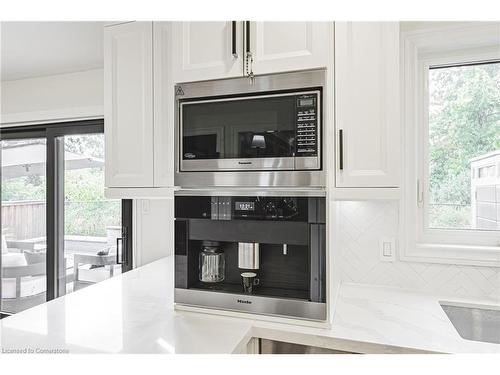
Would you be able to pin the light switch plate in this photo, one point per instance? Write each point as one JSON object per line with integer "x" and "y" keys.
{"x": 387, "y": 246}
{"x": 146, "y": 206}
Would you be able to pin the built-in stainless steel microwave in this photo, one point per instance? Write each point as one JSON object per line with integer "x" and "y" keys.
{"x": 241, "y": 132}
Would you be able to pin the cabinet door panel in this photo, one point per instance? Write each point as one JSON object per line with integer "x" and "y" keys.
{"x": 367, "y": 103}
{"x": 203, "y": 50}
{"x": 128, "y": 79}
{"x": 163, "y": 105}
{"x": 287, "y": 46}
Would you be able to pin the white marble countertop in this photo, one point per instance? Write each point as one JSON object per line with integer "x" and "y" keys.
{"x": 134, "y": 313}
{"x": 375, "y": 319}
{"x": 130, "y": 313}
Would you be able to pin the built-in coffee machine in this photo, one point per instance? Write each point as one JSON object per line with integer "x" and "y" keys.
{"x": 258, "y": 254}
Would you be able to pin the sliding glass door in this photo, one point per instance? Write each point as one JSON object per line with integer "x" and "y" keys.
{"x": 23, "y": 216}
{"x": 59, "y": 232}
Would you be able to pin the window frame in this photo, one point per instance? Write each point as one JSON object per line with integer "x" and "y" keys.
{"x": 421, "y": 50}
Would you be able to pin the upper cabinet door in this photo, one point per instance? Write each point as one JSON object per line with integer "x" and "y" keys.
{"x": 367, "y": 107}
{"x": 206, "y": 50}
{"x": 163, "y": 89}
{"x": 287, "y": 46}
{"x": 128, "y": 107}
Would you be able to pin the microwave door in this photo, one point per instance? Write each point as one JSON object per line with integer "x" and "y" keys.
{"x": 255, "y": 133}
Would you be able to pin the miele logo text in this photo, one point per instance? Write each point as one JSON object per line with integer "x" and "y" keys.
{"x": 243, "y": 301}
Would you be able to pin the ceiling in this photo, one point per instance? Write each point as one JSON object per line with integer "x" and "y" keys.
{"x": 34, "y": 49}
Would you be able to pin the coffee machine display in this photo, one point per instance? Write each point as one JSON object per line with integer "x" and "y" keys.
{"x": 258, "y": 254}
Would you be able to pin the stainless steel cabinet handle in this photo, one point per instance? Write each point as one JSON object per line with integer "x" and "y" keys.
{"x": 247, "y": 36}
{"x": 233, "y": 40}
{"x": 118, "y": 240}
{"x": 248, "y": 54}
{"x": 125, "y": 245}
{"x": 123, "y": 240}
{"x": 420, "y": 194}
{"x": 341, "y": 149}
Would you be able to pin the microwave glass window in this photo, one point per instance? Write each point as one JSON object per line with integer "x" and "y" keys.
{"x": 245, "y": 128}
{"x": 202, "y": 146}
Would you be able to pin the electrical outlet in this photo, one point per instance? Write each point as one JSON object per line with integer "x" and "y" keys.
{"x": 387, "y": 247}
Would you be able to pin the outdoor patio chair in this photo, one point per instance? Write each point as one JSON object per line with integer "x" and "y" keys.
{"x": 23, "y": 284}
{"x": 97, "y": 270}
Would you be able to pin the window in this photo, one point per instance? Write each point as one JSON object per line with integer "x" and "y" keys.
{"x": 59, "y": 232}
{"x": 451, "y": 208}
{"x": 464, "y": 130}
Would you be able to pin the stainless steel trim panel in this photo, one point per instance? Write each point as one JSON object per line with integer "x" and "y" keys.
{"x": 253, "y": 97}
{"x": 261, "y": 83}
{"x": 238, "y": 164}
{"x": 252, "y": 179}
{"x": 245, "y": 192}
{"x": 291, "y": 308}
{"x": 307, "y": 162}
{"x": 267, "y": 346}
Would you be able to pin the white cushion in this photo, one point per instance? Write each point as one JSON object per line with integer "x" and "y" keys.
{"x": 30, "y": 286}
{"x": 13, "y": 260}
{"x": 34, "y": 257}
{"x": 4, "y": 244}
{"x": 95, "y": 275}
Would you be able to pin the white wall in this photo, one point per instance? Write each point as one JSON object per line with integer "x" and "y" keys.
{"x": 59, "y": 97}
{"x": 80, "y": 95}
{"x": 154, "y": 229}
{"x": 361, "y": 224}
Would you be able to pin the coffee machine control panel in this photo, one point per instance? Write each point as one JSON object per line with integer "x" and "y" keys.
{"x": 257, "y": 208}
{"x": 272, "y": 208}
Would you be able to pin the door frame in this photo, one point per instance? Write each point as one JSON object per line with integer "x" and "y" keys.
{"x": 55, "y": 198}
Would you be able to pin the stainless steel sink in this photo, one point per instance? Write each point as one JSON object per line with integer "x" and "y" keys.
{"x": 474, "y": 322}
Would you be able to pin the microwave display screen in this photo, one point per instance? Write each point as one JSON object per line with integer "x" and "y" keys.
{"x": 306, "y": 102}
{"x": 244, "y": 206}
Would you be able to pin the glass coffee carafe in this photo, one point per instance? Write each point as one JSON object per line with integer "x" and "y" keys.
{"x": 212, "y": 262}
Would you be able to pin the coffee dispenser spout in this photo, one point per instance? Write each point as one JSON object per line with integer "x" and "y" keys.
{"x": 248, "y": 255}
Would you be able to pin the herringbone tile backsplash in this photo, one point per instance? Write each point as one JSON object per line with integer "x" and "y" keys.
{"x": 361, "y": 226}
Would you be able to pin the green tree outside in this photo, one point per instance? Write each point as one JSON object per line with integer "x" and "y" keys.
{"x": 87, "y": 211}
{"x": 464, "y": 122}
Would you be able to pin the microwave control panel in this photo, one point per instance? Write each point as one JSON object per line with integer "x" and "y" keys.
{"x": 307, "y": 125}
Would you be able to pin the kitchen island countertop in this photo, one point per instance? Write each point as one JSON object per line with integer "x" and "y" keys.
{"x": 134, "y": 313}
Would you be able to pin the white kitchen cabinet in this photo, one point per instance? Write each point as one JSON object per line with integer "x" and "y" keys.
{"x": 163, "y": 99}
{"x": 367, "y": 109}
{"x": 128, "y": 107}
{"x": 204, "y": 50}
{"x": 288, "y": 46}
